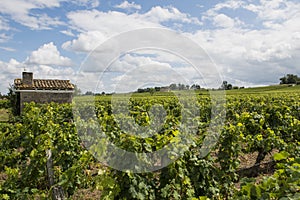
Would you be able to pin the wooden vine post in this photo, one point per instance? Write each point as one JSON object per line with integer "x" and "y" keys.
{"x": 57, "y": 191}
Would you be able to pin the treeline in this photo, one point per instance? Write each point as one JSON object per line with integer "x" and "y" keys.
{"x": 172, "y": 86}
{"x": 227, "y": 86}
{"x": 224, "y": 86}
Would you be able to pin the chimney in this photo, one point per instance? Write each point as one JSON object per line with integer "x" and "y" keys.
{"x": 27, "y": 78}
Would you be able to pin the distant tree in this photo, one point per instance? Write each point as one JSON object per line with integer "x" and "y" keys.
{"x": 157, "y": 89}
{"x": 140, "y": 90}
{"x": 89, "y": 93}
{"x": 229, "y": 87}
{"x": 173, "y": 86}
{"x": 77, "y": 91}
{"x": 151, "y": 90}
{"x": 195, "y": 87}
{"x": 226, "y": 86}
{"x": 181, "y": 86}
{"x": 289, "y": 79}
{"x": 14, "y": 100}
{"x": 283, "y": 80}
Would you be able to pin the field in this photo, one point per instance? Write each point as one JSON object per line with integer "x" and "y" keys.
{"x": 267, "y": 89}
{"x": 165, "y": 145}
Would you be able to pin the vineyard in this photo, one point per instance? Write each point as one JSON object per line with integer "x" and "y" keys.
{"x": 256, "y": 155}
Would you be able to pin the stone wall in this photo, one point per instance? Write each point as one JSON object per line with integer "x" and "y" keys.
{"x": 44, "y": 97}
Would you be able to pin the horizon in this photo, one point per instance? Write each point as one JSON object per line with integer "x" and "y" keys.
{"x": 250, "y": 43}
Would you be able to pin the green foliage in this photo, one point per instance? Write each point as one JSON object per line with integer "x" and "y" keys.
{"x": 254, "y": 123}
{"x": 4, "y": 104}
{"x": 23, "y": 157}
{"x": 14, "y": 101}
{"x": 283, "y": 184}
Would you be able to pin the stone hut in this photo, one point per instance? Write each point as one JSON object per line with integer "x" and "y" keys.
{"x": 28, "y": 89}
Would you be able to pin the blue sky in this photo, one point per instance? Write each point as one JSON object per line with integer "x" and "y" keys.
{"x": 252, "y": 42}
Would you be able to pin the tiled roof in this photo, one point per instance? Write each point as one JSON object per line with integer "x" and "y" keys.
{"x": 44, "y": 84}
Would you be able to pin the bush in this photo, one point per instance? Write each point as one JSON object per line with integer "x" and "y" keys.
{"x": 4, "y": 104}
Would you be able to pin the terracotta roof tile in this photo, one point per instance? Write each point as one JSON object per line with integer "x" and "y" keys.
{"x": 44, "y": 84}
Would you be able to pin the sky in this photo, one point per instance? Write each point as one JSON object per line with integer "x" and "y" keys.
{"x": 124, "y": 45}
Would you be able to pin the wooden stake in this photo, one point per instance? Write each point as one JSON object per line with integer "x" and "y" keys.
{"x": 57, "y": 191}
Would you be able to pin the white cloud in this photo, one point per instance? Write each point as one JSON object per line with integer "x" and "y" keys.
{"x": 68, "y": 33}
{"x": 221, "y": 20}
{"x": 9, "y": 71}
{"x": 11, "y": 67}
{"x": 108, "y": 23}
{"x": 45, "y": 3}
{"x": 87, "y": 81}
{"x": 97, "y": 26}
{"x": 3, "y": 24}
{"x": 274, "y": 10}
{"x": 145, "y": 75}
{"x": 162, "y": 56}
{"x": 23, "y": 12}
{"x": 20, "y": 11}
{"x": 224, "y": 21}
{"x": 48, "y": 55}
{"x": 49, "y": 72}
{"x": 158, "y": 14}
{"x": 132, "y": 61}
{"x": 129, "y": 6}
{"x": 87, "y": 3}
{"x": 231, "y": 4}
{"x": 250, "y": 54}
{"x": 7, "y": 48}
{"x": 273, "y": 14}
{"x": 217, "y": 9}
{"x": 85, "y": 41}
